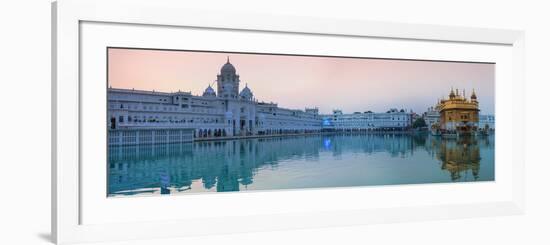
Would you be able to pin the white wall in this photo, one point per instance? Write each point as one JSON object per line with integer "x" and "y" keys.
{"x": 24, "y": 158}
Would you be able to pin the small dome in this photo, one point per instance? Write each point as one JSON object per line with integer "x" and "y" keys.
{"x": 474, "y": 96}
{"x": 246, "y": 93}
{"x": 209, "y": 92}
{"x": 228, "y": 68}
{"x": 452, "y": 94}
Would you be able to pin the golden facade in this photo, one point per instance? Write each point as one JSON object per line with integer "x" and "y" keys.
{"x": 458, "y": 114}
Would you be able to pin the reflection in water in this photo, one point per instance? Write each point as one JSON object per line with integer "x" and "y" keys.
{"x": 298, "y": 162}
{"x": 459, "y": 156}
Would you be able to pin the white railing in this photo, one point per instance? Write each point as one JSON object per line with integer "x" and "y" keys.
{"x": 169, "y": 125}
{"x": 119, "y": 137}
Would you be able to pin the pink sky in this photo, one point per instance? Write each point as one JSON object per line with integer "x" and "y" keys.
{"x": 350, "y": 84}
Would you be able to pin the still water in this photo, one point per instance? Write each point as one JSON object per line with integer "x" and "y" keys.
{"x": 317, "y": 161}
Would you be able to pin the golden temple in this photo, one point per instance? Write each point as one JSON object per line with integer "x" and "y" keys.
{"x": 458, "y": 115}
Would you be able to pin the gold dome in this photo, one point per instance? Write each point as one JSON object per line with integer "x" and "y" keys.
{"x": 474, "y": 96}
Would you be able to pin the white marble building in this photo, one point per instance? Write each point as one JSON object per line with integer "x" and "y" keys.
{"x": 224, "y": 112}
{"x": 486, "y": 121}
{"x": 431, "y": 117}
{"x": 364, "y": 121}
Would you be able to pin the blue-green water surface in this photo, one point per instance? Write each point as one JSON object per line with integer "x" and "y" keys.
{"x": 314, "y": 161}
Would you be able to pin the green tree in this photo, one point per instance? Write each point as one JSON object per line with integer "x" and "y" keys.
{"x": 419, "y": 123}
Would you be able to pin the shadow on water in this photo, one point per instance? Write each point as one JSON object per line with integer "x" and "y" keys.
{"x": 222, "y": 166}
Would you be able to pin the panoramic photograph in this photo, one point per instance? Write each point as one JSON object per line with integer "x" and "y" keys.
{"x": 182, "y": 122}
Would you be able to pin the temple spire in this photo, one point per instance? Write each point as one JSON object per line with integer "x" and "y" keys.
{"x": 473, "y": 96}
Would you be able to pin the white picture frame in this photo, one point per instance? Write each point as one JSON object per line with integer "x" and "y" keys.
{"x": 68, "y": 196}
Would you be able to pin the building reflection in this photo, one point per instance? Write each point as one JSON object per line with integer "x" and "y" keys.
{"x": 460, "y": 157}
{"x": 231, "y": 165}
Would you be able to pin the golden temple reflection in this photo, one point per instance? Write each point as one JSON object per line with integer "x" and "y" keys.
{"x": 459, "y": 156}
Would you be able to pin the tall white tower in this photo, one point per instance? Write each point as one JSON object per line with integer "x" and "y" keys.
{"x": 228, "y": 81}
